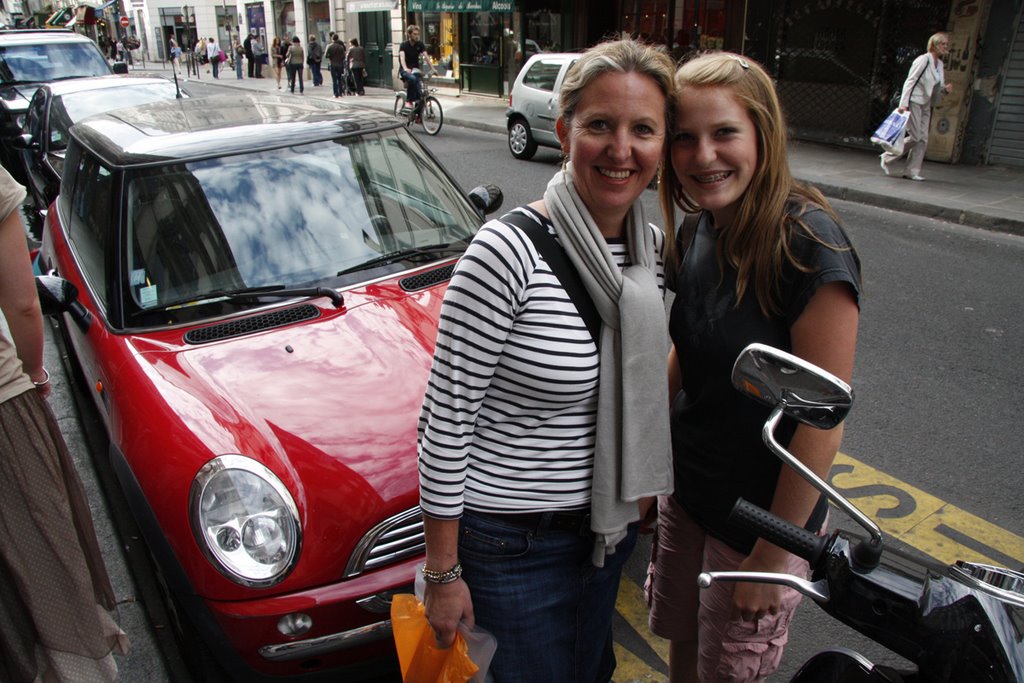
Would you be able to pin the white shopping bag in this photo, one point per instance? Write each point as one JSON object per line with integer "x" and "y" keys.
{"x": 891, "y": 133}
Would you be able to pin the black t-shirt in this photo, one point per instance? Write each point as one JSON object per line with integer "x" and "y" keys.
{"x": 412, "y": 52}
{"x": 716, "y": 431}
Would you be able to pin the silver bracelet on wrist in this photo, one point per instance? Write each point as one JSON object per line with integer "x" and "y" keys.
{"x": 45, "y": 381}
{"x": 449, "y": 576}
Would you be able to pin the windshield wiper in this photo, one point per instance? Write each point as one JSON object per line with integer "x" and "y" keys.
{"x": 405, "y": 254}
{"x": 279, "y": 291}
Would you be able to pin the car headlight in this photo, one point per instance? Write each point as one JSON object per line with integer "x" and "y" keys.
{"x": 245, "y": 521}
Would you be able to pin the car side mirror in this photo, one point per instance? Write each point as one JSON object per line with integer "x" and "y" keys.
{"x": 120, "y": 68}
{"x": 806, "y": 392}
{"x": 24, "y": 141}
{"x": 486, "y": 198}
{"x": 57, "y": 295}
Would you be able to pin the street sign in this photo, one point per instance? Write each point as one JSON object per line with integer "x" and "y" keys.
{"x": 124, "y": 22}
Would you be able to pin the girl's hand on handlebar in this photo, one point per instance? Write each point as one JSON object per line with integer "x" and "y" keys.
{"x": 751, "y": 601}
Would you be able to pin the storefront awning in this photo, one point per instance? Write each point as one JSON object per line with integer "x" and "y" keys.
{"x": 60, "y": 17}
{"x": 371, "y": 5}
{"x": 460, "y": 5}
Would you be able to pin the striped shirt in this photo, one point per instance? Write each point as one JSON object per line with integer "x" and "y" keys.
{"x": 508, "y": 419}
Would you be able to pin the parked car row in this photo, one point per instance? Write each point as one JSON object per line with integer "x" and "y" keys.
{"x": 256, "y": 348}
{"x": 31, "y": 57}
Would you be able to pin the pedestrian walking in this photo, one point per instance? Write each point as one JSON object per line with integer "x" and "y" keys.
{"x": 278, "y": 50}
{"x": 923, "y": 89}
{"x": 336, "y": 58}
{"x": 247, "y": 45}
{"x": 213, "y": 55}
{"x": 175, "y": 53}
{"x": 315, "y": 54}
{"x": 239, "y": 57}
{"x": 259, "y": 56}
{"x": 294, "y": 58}
{"x": 357, "y": 64}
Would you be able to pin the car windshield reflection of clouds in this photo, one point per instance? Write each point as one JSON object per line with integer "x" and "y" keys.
{"x": 292, "y": 217}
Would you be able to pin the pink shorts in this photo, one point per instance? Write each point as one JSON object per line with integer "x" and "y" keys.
{"x": 728, "y": 650}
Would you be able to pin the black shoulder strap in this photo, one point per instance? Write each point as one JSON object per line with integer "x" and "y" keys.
{"x": 562, "y": 267}
{"x": 684, "y": 238}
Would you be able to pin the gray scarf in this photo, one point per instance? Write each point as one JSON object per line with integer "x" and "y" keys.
{"x": 632, "y": 453}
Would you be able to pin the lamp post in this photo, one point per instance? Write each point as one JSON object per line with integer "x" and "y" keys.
{"x": 186, "y": 14}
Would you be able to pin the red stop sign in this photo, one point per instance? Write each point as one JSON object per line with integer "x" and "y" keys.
{"x": 124, "y": 22}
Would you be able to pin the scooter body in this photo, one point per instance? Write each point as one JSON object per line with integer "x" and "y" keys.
{"x": 961, "y": 622}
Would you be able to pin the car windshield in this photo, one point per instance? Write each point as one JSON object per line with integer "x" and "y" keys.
{"x": 68, "y": 109}
{"x": 44, "y": 62}
{"x": 295, "y": 217}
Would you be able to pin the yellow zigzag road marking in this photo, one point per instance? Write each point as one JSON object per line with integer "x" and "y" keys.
{"x": 920, "y": 527}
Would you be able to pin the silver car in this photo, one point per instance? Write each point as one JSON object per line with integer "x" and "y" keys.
{"x": 533, "y": 104}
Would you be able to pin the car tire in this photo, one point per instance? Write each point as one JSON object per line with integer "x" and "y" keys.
{"x": 520, "y": 140}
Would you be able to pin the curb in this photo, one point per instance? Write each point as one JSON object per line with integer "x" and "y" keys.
{"x": 965, "y": 217}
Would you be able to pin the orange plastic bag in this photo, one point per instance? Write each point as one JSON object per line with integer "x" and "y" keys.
{"x": 420, "y": 658}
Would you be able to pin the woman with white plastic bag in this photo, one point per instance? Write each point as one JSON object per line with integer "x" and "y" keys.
{"x": 921, "y": 91}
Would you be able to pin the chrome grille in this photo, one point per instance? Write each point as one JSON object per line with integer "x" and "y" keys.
{"x": 392, "y": 540}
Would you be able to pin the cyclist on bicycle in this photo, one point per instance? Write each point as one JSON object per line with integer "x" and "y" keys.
{"x": 409, "y": 53}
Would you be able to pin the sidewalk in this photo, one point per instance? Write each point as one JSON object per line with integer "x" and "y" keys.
{"x": 987, "y": 197}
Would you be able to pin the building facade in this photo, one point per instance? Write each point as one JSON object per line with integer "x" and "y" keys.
{"x": 837, "y": 63}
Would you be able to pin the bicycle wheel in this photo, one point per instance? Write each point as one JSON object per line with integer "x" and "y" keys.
{"x": 399, "y": 103}
{"x": 432, "y": 116}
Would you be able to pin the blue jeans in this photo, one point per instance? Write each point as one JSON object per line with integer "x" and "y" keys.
{"x": 294, "y": 73}
{"x": 338, "y": 80}
{"x": 413, "y": 88}
{"x": 548, "y": 606}
{"x": 318, "y": 78}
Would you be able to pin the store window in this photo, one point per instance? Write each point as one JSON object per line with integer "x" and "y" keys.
{"x": 318, "y": 21}
{"x": 486, "y": 30}
{"x": 647, "y": 20}
{"x": 438, "y": 32}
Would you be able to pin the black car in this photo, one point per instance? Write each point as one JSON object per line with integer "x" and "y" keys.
{"x": 57, "y": 106}
{"x": 29, "y": 58}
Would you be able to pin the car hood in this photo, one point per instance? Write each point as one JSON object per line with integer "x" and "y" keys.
{"x": 329, "y": 405}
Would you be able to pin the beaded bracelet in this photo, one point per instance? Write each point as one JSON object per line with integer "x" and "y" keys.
{"x": 449, "y": 576}
{"x": 45, "y": 381}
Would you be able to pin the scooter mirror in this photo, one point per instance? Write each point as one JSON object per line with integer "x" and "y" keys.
{"x": 806, "y": 392}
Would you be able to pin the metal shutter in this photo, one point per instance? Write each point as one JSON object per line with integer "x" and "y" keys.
{"x": 1007, "y": 146}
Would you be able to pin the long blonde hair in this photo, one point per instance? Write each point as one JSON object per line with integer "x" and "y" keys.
{"x": 757, "y": 242}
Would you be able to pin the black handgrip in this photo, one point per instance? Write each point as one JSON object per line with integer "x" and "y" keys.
{"x": 781, "y": 532}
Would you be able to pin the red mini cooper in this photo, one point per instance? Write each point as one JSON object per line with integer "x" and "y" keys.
{"x": 250, "y": 287}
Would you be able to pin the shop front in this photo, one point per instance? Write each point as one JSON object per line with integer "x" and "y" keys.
{"x": 472, "y": 43}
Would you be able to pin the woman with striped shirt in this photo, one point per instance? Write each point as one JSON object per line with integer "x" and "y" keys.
{"x": 542, "y": 441}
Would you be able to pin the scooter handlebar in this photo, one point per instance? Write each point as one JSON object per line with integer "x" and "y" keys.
{"x": 781, "y": 532}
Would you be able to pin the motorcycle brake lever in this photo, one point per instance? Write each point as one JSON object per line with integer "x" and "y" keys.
{"x": 817, "y": 590}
